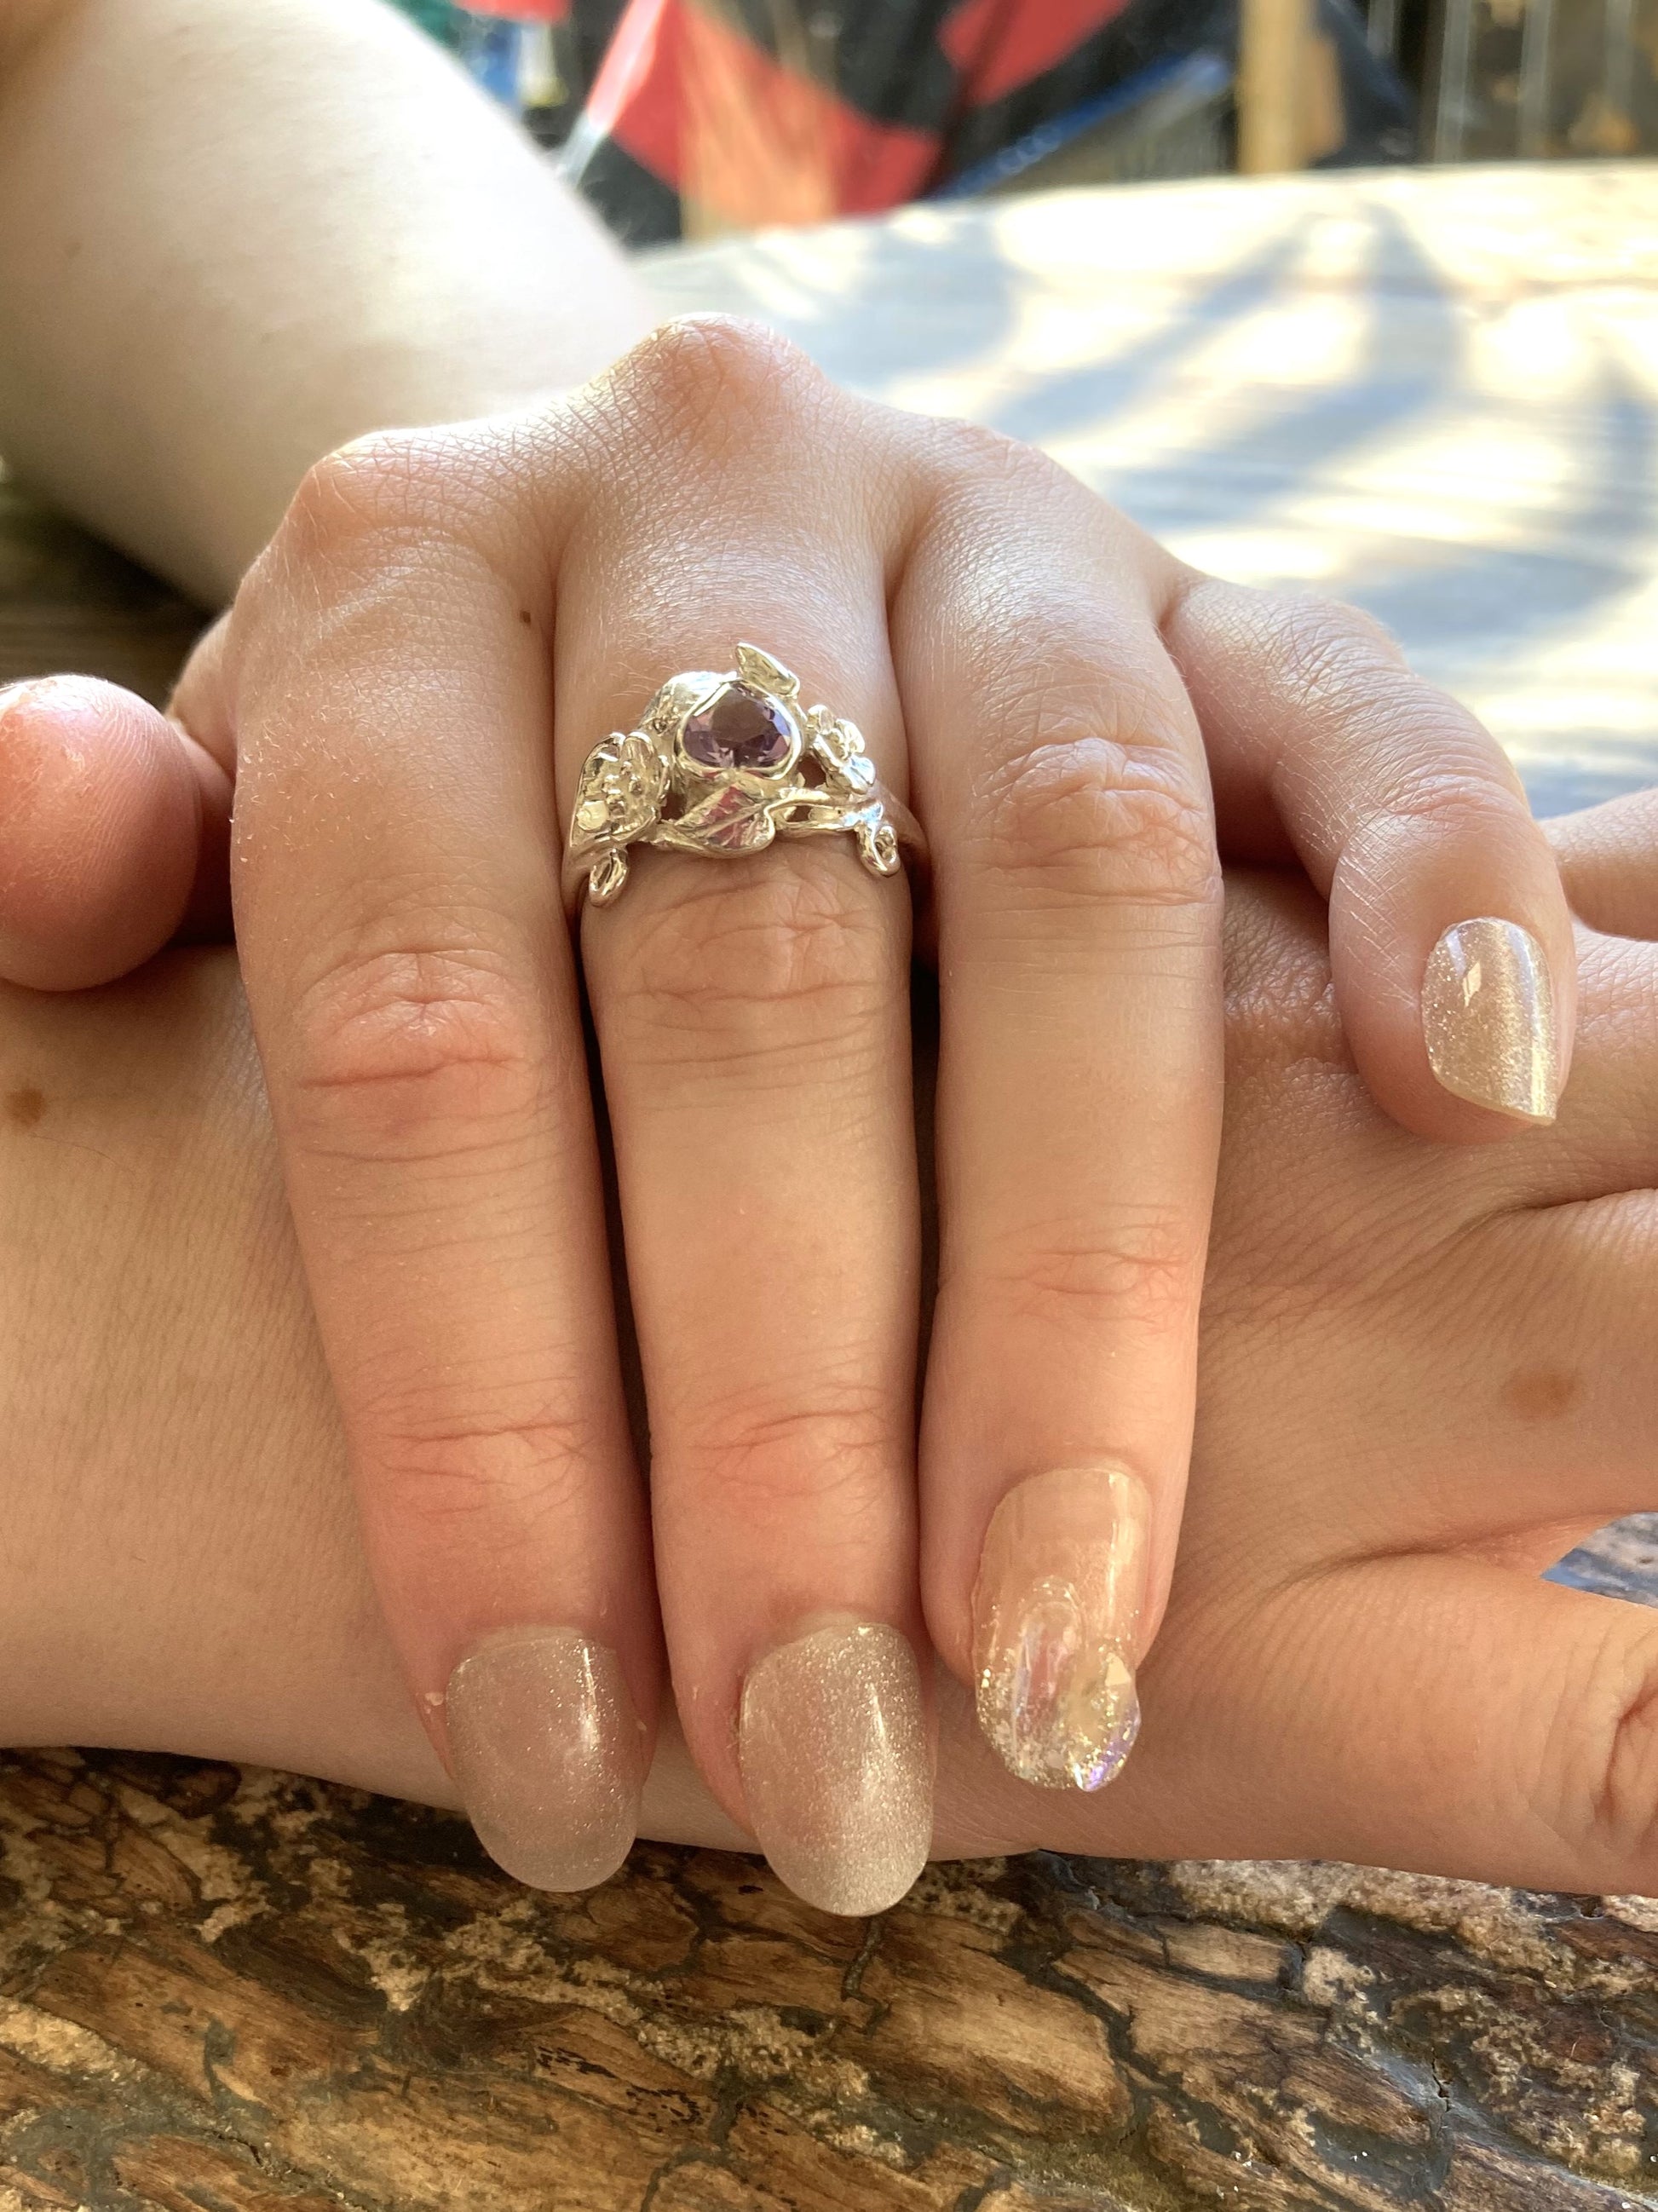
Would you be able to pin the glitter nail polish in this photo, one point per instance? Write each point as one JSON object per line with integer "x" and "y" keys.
{"x": 1488, "y": 1017}
{"x": 836, "y": 1765}
{"x": 548, "y": 1753}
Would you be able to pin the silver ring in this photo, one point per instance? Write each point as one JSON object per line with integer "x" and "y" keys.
{"x": 723, "y": 765}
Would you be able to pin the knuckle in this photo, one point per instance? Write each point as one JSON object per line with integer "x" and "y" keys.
{"x": 1409, "y": 750}
{"x": 751, "y": 963}
{"x": 836, "y": 1446}
{"x": 374, "y": 483}
{"x": 1451, "y": 789}
{"x": 1281, "y": 1011}
{"x": 1325, "y": 644}
{"x": 984, "y": 486}
{"x": 1082, "y": 815}
{"x": 970, "y": 456}
{"x": 521, "y": 1465}
{"x": 708, "y": 375}
{"x": 421, "y": 1046}
{"x": 421, "y": 486}
{"x": 1140, "y": 1276}
{"x": 1608, "y": 1728}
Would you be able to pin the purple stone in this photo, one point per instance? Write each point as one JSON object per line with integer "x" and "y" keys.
{"x": 738, "y": 728}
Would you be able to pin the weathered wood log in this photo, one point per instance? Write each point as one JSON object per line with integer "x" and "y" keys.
{"x": 251, "y": 1990}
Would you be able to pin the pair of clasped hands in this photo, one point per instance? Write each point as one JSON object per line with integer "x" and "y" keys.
{"x": 400, "y": 703}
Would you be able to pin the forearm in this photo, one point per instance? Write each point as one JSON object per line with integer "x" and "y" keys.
{"x": 232, "y": 238}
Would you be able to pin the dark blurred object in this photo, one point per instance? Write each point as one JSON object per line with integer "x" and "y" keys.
{"x": 695, "y": 117}
{"x": 715, "y": 115}
{"x": 537, "y": 56}
{"x": 1528, "y": 79}
{"x": 1179, "y": 117}
{"x": 1316, "y": 88}
{"x": 1174, "y": 119}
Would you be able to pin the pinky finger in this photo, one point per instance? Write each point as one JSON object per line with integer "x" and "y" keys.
{"x": 1450, "y": 936}
{"x": 112, "y": 831}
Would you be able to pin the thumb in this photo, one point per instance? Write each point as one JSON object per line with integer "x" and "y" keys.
{"x": 1447, "y": 1715}
{"x": 113, "y": 832}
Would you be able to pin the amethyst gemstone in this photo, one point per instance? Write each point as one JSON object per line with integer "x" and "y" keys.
{"x": 738, "y": 728}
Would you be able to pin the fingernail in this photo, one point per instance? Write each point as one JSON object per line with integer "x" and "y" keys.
{"x": 548, "y": 1755}
{"x": 1488, "y": 1014}
{"x": 1056, "y": 1616}
{"x": 836, "y": 1771}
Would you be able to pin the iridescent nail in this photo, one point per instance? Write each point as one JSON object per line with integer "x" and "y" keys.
{"x": 836, "y": 1767}
{"x": 1488, "y": 1017}
{"x": 1056, "y": 1614}
{"x": 548, "y": 1755}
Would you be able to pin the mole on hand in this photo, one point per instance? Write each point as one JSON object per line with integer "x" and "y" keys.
{"x": 24, "y": 1108}
{"x": 1542, "y": 1393}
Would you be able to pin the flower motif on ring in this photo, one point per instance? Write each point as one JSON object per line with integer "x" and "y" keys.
{"x": 722, "y": 765}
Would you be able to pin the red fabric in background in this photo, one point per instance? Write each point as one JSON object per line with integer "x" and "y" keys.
{"x": 531, "y": 11}
{"x": 710, "y": 115}
{"x": 706, "y": 110}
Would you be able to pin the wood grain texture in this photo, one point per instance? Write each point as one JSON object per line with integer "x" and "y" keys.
{"x": 248, "y": 1991}
{"x": 245, "y": 1992}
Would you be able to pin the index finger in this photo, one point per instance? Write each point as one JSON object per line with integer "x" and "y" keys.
{"x": 412, "y": 982}
{"x": 1058, "y": 767}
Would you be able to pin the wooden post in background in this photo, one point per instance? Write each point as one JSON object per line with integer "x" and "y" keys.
{"x": 1275, "y": 37}
{"x": 1535, "y": 78}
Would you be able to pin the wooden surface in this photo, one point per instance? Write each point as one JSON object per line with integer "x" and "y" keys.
{"x": 1275, "y": 38}
{"x": 224, "y": 1991}
{"x": 238, "y": 1991}
{"x": 68, "y": 603}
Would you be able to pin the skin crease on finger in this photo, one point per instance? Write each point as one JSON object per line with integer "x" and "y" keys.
{"x": 188, "y": 1578}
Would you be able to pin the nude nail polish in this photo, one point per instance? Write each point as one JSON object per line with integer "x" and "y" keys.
{"x": 548, "y": 1753}
{"x": 1056, "y": 1614}
{"x": 1488, "y": 1016}
{"x": 836, "y": 1765}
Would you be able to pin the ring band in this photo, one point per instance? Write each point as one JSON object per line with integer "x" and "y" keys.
{"x": 723, "y": 765}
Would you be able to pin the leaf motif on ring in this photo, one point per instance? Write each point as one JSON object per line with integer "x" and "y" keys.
{"x": 768, "y": 674}
{"x": 729, "y": 820}
{"x": 622, "y": 788}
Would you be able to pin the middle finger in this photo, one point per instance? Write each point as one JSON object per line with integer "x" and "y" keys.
{"x": 752, "y": 1014}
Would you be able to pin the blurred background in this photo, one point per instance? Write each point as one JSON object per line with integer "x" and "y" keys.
{"x": 692, "y": 117}
{"x": 1373, "y": 317}
{"x": 1413, "y": 364}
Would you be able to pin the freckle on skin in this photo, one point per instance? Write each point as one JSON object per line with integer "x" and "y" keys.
{"x": 24, "y": 1108}
{"x": 525, "y": 617}
{"x": 1541, "y": 1394}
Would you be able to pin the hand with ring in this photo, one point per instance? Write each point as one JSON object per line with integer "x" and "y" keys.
{"x": 692, "y": 660}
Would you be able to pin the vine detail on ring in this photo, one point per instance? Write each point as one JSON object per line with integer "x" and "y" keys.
{"x": 722, "y": 765}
